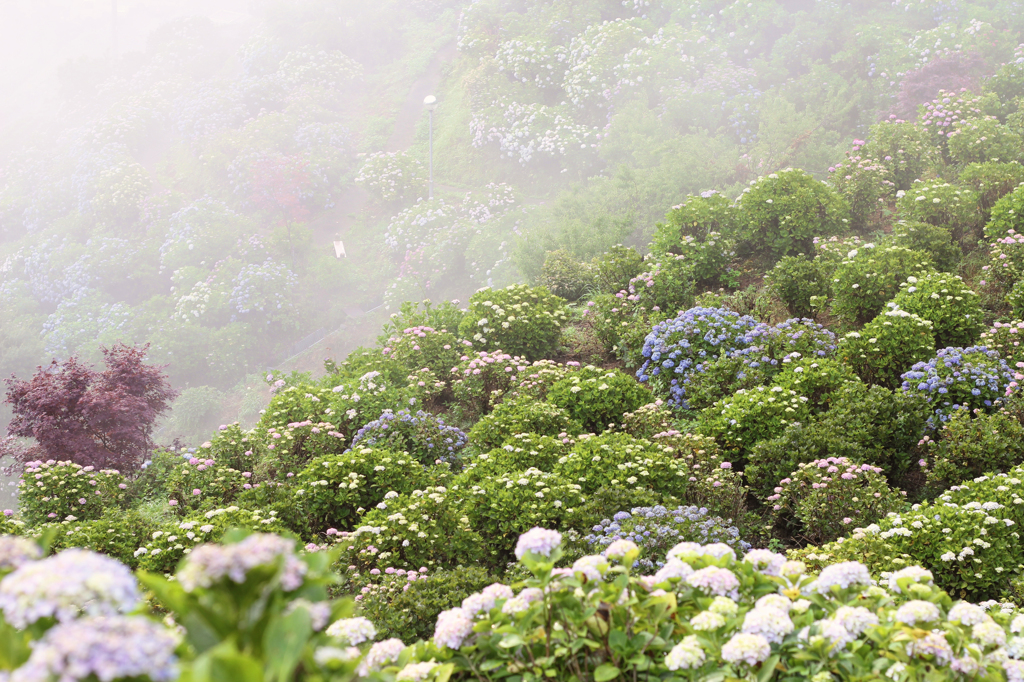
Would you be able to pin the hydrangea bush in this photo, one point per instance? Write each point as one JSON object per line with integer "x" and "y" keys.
{"x": 887, "y": 347}
{"x": 517, "y": 319}
{"x": 948, "y": 303}
{"x": 960, "y": 379}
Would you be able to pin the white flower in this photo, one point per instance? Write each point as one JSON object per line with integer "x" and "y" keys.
{"x": 592, "y": 567}
{"x": 724, "y": 606}
{"x": 967, "y": 614}
{"x": 715, "y": 581}
{"x": 328, "y": 654}
{"x": 915, "y": 573}
{"x": 989, "y": 633}
{"x": 416, "y": 672}
{"x": 684, "y": 548}
{"x": 522, "y": 601}
{"x": 765, "y": 560}
{"x": 352, "y": 631}
{"x": 845, "y": 574}
{"x": 673, "y": 568}
{"x": 686, "y": 655}
{"x": 855, "y": 619}
{"x": 917, "y": 611}
{"x": 620, "y": 549}
{"x": 746, "y": 648}
{"x": 379, "y": 655}
{"x": 769, "y": 622}
{"x": 452, "y": 628}
{"x": 775, "y": 601}
{"x": 707, "y": 620}
{"x": 483, "y": 602}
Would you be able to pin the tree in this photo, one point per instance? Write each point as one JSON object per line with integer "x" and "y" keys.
{"x": 104, "y": 419}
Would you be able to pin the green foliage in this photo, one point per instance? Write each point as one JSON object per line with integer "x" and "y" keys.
{"x": 887, "y": 347}
{"x": 992, "y": 180}
{"x": 443, "y": 316}
{"x": 695, "y": 219}
{"x": 408, "y": 609}
{"x": 51, "y": 491}
{"x": 1007, "y": 339}
{"x": 904, "y": 148}
{"x": 977, "y": 140}
{"x": 870, "y": 277}
{"x": 335, "y": 489}
{"x": 613, "y": 269}
{"x": 782, "y": 213}
{"x": 968, "y": 446}
{"x": 198, "y": 485}
{"x": 597, "y": 398}
{"x": 392, "y": 177}
{"x": 815, "y": 378}
{"x": 521, "y": 415}
{"x": 606, "y": 502}
{"x": 117, "y": 534}
{"x": 795, "y": 280}
{"x": 517, "y": 319}
{"x": 565, "y": 276}
{"x": 824, "y": 497}
{"x": 1007, "y": 215}
{"x": 749, "y": 416}
{"x": 942, "y": 204}
{"x": 933, "y": 240}
{"x": 948, "y": 303}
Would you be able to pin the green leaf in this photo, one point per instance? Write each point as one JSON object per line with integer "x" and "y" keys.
{"x": 283, "y": 642}
{"x": 225, "y": 663}
{"x": 511, "y": 641}
{"x": 444, "y": 672}
{"x": 767, "y": 669}
{"x": 605, "y": 672}
{"x": 170, "y": 594}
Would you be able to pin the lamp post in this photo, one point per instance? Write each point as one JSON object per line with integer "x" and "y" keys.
{"x": 430, "y": 102}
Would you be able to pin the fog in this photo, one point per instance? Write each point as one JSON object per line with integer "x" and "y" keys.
{"x": 244, "y": 185}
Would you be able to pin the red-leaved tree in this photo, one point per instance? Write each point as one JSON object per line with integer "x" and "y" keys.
{"x": 104, "y": 419}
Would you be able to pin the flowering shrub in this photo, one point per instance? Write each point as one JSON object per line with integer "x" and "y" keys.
{"x": 336, "y": 488}
{"x": 960, "y": 379}
{"x": 816, "y": 379}
{"x": 1005, "y": 338}
{"x": 675, "y": 347}
{"x": 656, "y": 530}
{"x": 115, "y": 534}
{"x": 51, "y": 490}
{"x": 795, "y": 280}
{"x": 887, "y": 347}
{"x": 864, "y": 183}
{"x": 782, "y": 213}
{"x": 392, "y": 177}
{"x": 614, "y": 269}
{"x": 521, "y": 415}
{"x": 502, "y": 506}
{"x": 980, "y": 139}
{"x": 933, "y": 240}
{"x": 203, "y": 484}
{"x": 423, "y": 528}
{"x": 944, "y": 300}
{"x": 992, "y": 180}
{"x": 940, "y": 203}
{"x": 1007, "y": 215}
{"x": 597, "y": 398}
{"x": 419, "y": 347}
{"x": 423, "y": 435}
{"x": 565, "y": 276}
{"x": 826, "y": 496}
{"x": 969, "y": 445}
{"x": 618, "y": 460}
{"x": 742, "y": 420}
{"x": 730, "y": 616}
{"x": 164, "y": 549}
{"x": 870, "y": 277}
{"x": 1006, "y": 261}
{"x": 517, "y": 319}
{"x": 904, "y": 148}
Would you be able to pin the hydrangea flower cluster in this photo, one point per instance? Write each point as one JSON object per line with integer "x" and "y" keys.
{"x": 676, "y": 346}
{"x": 960, "y": 379}
{"x": 657, "y": 529}
{"x": 66, "y": 585}
{"x": 209, "y": 564}
{"x": 17, "y": 551}
{"x": 423, "y": 435}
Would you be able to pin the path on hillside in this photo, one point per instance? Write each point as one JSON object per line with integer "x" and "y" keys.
{"x": 337, "y": 222}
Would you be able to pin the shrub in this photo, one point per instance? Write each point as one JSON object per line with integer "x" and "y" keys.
{"x": 423, "y": 528}
{"x": 164, "y": 549}
{"x": 597, "y": 398}
{"x": 981, "y": 139}
{"x": 696, "y": 218}
{"x": 607, "y": 502}
{"x": 960, "y": 379}
{"x": 337, "y": 488}
{"x": 1007, "y": 215}
{"x": 613, "y": 318}
{"x": 794, "y": 280}
{"x": 521, "y": 416}
{"x": 415, "y": 348}
{"x": 647, "y": 420}
{"x": 615, "y": 268}
{"x": 945, "y": 301}
{"x": 749, "y": 416}
{"x": 673, "y": 348}
{"x": 392, "y": 177}
{"x": 115, "y": 534}
{"x": 481, "y": 380}
{"x": 863, "y": 182}
{"x": 444, "y": 316}
{"x": 618, "y": 460}
{"x": 708, "y": 259}
{"x": 940, "y": 203}
{"x": 1006, "y": 261}
{"x": 202, "y": 484}
{"x": 521, "y": 451}
{"x": 887, "y": 347}
{"x": 666, "y": 287}
{"x": 287, "y": 450}
{"x": 933, "y": 240}
{"x": 656, "y": 530}
{"x": 871, "y": 277}
{"x": 517, "y": 319}
{"x": 969, "y": 445}
{"x": 407, "y": 608}
{"x": 565, "y": 276}
{"x": 423, "y": 435}
{"x": 51, "y": 490}
{"x": 992, "y": 180}
{"x": 905, "y": 149}
{"x": 782, "y": 213}
{"x": 503, "y": 506}
{"x": 1005, "y": 338}
{"x": 826, "y": 496}
{"x": 815, "y": 379}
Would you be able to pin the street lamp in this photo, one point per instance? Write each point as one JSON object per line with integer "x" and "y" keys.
{"x": 430, "y": 102}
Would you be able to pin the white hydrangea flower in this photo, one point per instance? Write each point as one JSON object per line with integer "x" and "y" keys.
{"x": 989, "y": 633}
{"x": 917, "y": 611}
{"x": 967, "y": 614}
{"x": 765, "y": 560}
{"x": 707, "y": 620}
{"x": 724, "y": 606}
{"x": 416, "y": 672}
{"x": 845, "y": 574}
{"x": 592, "y": 567}
{"x": 686, "y": 655}
{"x": 746, "y": 648}
{"x": 620, "y": 548}
{"x": 771, "y": 623}
{"x": 352, "y": 631}
{"x": 916, "y": 573}
{"x": 452, "y": 628}
{"x": 673, "y": 568}
{"x": 715, "y": 581}
{"x": 379, "y": 655}
{"x": 539, "y": 541}
{"x": 522, "y": 601}
{"x": 775, "y": 601}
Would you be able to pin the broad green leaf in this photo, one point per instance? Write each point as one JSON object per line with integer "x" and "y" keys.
{"x": 605, "y": 672}
{"x": 283, "y": 643}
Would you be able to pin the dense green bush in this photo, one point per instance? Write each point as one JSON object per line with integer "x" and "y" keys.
{"x": 1007, "y": 215}
{"x": 517, "y": 319}
{"x": 203, "y": 484}
{"x": 870, "y": 277}
{"x": 55, "y": 491}
{"x": 795, "y": 280}
{"x": 887, "y": 347}
{"x": 933, "y": 240}
{"x": 597, "y": 398}
{"x": 615, "y": 268}
{"x": 525, "y": 415}
{"x": 942, "y": 204}
{"x": 115, "y": 534}
{"x": 620, "y": 461}
{"x": 823, "y": 498}
{"x": 969, "y": 445}
{"x": 565, "y": 276}
{"x": 948, "y": 303}
{"x": 782, "y": 213}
